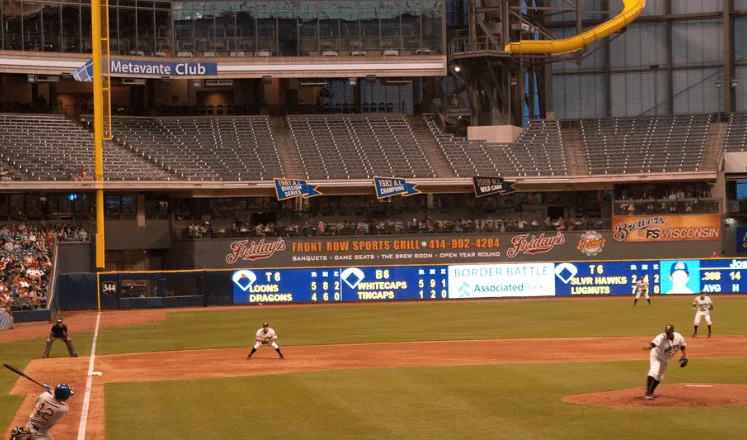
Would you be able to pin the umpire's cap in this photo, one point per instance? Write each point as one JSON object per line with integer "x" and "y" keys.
{"x": 669, "y": 328}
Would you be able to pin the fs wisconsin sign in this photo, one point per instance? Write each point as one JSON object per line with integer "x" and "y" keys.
{"x": 656, "y": 228}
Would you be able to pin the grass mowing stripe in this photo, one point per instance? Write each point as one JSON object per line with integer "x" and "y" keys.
{"x": 225, "y": 328}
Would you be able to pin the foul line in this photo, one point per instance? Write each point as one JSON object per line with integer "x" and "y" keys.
{"x": 89, "y": 383}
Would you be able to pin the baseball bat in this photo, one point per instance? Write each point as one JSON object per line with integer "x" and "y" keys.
{"x": 26, "y": 376}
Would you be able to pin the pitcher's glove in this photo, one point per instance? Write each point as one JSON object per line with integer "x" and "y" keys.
{"x": 683, "y": 362}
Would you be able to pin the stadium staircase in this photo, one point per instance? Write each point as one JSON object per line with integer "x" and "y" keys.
{"x": 287, "y": 150}
{"x": 714, "y": 149}
{"x": 430, "y": 147}
{"x": 574, "y": 151}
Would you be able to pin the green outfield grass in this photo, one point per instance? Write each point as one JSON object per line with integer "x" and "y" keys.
{"x": 230, "y": 327}
{"x": 482, "y": 402}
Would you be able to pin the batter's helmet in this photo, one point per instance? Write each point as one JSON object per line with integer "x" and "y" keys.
{"x": 63, "y": 392}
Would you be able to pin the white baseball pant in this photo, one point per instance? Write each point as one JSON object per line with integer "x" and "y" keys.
{"x": 38, "y": 435}
{"x": 272, "y": 344}
{"x": 638, "y": 295}
{"x": 706, "y": 315}
{"x": 657, "y": 366}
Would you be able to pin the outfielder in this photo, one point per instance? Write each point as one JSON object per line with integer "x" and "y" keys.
{"x": 59, "y": 331}
{"x": 49, "y": 409}
{"x": 703, "y": 305}
{"x": 641, "y": 288}
{"x": 663, "y": 348}
{"x": 266, "y": 336}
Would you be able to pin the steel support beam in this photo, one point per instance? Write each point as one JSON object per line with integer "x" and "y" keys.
{"x": 729, "y": 57}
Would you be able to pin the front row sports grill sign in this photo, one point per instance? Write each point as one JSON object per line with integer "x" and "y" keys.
{"x": 158, "y": 69}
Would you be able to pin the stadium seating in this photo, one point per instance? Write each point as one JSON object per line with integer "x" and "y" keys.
{"x": 51, "y": 147}
{"x": 358, "y": 146}
{"x": 537, "y": 152}
{"x": 204, "y": 148}
{"x": 736, "y": 133}
{"x": 653, "y": 144}
{"x": 26, "y": 262}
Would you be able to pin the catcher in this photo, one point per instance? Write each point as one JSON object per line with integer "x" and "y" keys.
{"x": 266, "y": 336}
{"x": 663, "y": 348}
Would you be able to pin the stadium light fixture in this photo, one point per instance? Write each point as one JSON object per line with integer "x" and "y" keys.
{"x": 457, "y": 69}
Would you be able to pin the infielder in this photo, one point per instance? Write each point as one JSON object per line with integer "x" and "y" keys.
{"x": 663, "y": 348}
{"x": 641, "y": 288}
{"x": 703, "y": 305}
{"x": 49, "y": 409}
{"x": 264, "y": 336}
{"x": 59, "y": 331}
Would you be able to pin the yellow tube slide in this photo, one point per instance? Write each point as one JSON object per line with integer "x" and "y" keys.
{"x": 631, "y": 11}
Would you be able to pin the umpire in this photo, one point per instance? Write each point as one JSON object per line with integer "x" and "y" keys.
{"x": 59, "y": 331}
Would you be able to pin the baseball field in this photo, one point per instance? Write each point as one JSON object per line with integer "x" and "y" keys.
{"x": 494, "y": 369}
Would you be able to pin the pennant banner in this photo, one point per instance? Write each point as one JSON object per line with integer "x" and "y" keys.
{"x": 393, "y": 186}
{"x": 292, "y": 188}
{"x": 487, "y": 186}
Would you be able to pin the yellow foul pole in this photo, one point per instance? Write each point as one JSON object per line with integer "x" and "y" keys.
{"x": 98, "y": 129}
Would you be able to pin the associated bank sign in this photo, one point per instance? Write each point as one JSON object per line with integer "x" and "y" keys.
{"x": 148, "y": 68}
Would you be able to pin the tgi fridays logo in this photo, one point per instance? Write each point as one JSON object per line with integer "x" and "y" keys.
{"x": 249, "y": 251}
{"x": 535, "y": 245}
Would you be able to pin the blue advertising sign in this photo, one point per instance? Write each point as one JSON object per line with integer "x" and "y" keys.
{"x": 742, "y": 239}
{"x": 148, "y": 68}
{"x": 292, "y": 188}
{"x": 393, "y": 186}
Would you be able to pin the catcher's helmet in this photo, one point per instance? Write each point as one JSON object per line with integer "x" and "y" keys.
{"x": 63, "y": 392}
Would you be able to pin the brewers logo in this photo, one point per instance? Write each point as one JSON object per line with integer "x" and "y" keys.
{"x": 591, "y": 243}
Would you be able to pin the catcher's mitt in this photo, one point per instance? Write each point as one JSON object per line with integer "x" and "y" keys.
{"x": 683, "y": 362}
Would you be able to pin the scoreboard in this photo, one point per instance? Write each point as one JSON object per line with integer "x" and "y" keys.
{"x": 340, "y": 284}
{"x": 392, "y": 283}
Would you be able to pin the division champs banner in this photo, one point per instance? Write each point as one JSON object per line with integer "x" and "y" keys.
{"x": 292, "y": 188}
{"x": 393, "y": 186}
{"x": 487, "y": 186}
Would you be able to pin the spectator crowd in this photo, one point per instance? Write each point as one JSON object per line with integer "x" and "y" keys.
{"x": 26, "y": 262}
{"x": 374, "y": 226}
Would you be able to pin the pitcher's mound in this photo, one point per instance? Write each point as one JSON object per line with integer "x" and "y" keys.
{"x": 679, "y": 395}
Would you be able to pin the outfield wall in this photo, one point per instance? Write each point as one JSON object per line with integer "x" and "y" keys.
{"x": 121, "y": 290}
